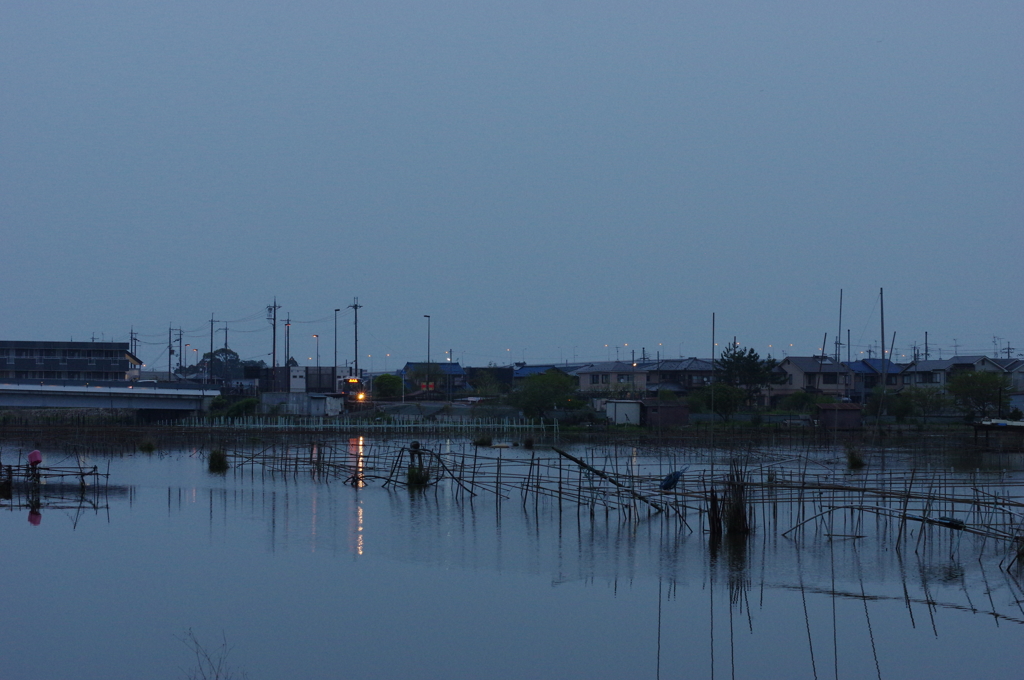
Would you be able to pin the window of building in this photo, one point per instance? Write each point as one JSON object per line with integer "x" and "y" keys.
{"x": 595, "y": 379}
{"x": 604, "y": 378}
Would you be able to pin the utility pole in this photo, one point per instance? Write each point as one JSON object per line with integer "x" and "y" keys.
{"x": 355, "y": 307}
{"x": 272, "y": 318}
{"x": 287, "y": 341}
{"x": 881, "y": 305}
{"x": 180, "y": 333}
{"x": 336, "y": 338}
{"x": 926, "y": 355}
{"x": 839, "y": 335}
{"x": 170, "y": 353}
{"x": 225, "y": 329}
{"x": 209, "y": 362}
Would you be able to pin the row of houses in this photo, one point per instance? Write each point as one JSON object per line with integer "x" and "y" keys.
{"x": 852, "y": 381}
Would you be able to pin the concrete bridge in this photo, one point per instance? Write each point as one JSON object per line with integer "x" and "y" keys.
{"x": 119, "y": 395}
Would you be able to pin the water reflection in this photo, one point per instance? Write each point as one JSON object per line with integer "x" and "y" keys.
{"x": 623, "y": 595}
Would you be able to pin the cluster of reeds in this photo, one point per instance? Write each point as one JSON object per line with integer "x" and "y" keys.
{"x": 218, "y": 461}
{"x": 737, "y": 519}
{"x": 854, "y": 458}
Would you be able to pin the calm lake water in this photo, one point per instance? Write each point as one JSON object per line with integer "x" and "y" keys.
{"x": 314, "y": 578}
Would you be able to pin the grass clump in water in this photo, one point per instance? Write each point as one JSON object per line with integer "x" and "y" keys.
{"x": 146, "y": 446}
{"x": 218, "y": 461}
{"x": 854, "y": 459}
{"x": 417, "y": 476}
{"x": 483, "y": 440}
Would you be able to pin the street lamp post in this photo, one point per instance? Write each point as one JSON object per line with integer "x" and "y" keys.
{"x": 336, "y": 338}
{"x": 317, "y": 338}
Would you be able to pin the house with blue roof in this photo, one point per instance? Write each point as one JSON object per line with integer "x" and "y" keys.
{"x": 868, "y": 374}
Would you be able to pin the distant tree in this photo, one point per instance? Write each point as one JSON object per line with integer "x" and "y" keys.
{"x": 485, "y": 384}
{"x": 546, "y": 391}
{"x": 980, "y": 394}
{"x": 896, "y": 404}
{"x": 291, "y": 362}
{"x": 695, "y": 401}
{"x": 222, "y": 364}
{"x": 925, "y": 401}
{"x": 245, "y": 407}
{"x": 798, "y": 401}
{"x": 901, "y": 406}
{"x": 387, "y": 386}
{"x": 744, "y": 368}
{"x": 721, "y": 399}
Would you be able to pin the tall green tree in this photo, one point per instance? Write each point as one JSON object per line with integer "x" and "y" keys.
{"x": 980, "y": 394}
{"x": 387, "y": 386}
{"x": 744, "y": 368}
{"x": 222, "y": 364}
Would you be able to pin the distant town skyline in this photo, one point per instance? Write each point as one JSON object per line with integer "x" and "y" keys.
{"x": 251, "y": 337}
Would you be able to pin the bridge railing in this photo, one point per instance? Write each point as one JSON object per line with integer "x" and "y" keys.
{"x": 412, "y": 424}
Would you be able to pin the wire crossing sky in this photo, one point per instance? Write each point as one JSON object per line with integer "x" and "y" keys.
{"x": 548, "y": 181}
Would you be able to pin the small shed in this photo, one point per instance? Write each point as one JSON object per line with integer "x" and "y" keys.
{"x": 839, "y": 416}
{"x": 624, "y": 411}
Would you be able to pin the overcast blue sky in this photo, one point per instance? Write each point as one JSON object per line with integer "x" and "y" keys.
{"x": 542, "y": 178}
